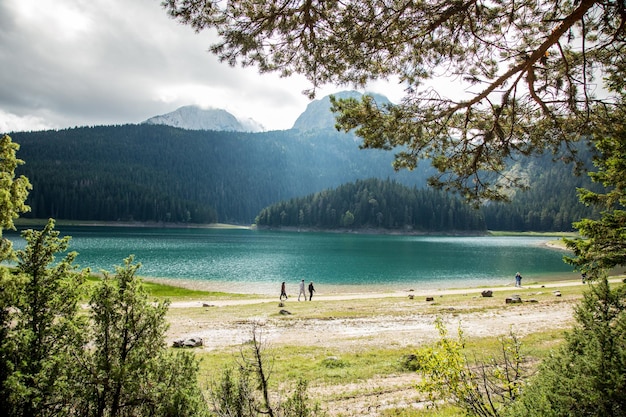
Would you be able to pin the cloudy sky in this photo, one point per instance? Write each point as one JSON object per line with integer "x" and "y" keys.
{"x": 68, "y": 63}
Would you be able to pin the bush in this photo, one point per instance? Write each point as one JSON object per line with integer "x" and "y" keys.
{"x": 485, "y": 388}
{"x": 410, "y": 363}
{"x": 246, "y": 393}
{"x": 333, "y": 362}
{"x": 586, "y": 377}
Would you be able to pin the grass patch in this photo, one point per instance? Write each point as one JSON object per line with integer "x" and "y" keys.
{"x": 317, "y": 365}
{"x": 320, "y": 365}
{"x": 443, "y": 411}
{"x": 334, "y": 376}
{"x": 468, "y": 302}
{"x": 333, "y": 362}
{"x": 534, "y": 346}
{"x": 173, "y": 292}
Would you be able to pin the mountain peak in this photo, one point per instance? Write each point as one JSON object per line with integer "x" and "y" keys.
{"x": 197, "y": 118}
{"x": 318, "y": 115}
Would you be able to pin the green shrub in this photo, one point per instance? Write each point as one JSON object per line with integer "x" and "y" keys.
{"x": 333, "y": 362}
{"x": 586, "y": 376}
{"x": 410, "y": 363}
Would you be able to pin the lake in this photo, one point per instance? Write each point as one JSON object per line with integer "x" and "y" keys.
{"x": 251, "y": 261}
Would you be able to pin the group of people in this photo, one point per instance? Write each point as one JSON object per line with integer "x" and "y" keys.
{"x": 283, "y": 291}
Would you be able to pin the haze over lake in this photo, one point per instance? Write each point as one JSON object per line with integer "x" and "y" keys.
{"x": 250, "y": 261}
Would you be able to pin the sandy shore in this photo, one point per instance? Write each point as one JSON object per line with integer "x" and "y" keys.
{"x": 379, "y": 319}
{"x": 339, "y": 296}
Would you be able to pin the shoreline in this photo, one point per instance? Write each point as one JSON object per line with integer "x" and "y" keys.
{"x": 345, "y": 296}
{"x": 373, "y": 320}
{"x": 24, "y": 223}
{"x": 269, "y": 290}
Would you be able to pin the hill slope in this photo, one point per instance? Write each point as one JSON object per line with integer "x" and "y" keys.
{"x": 375, "y": 204}
{"x": 160, "y": 173}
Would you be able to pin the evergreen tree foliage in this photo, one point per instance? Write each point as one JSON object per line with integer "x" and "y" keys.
{"x": 43, "y": 332}
{"x": 602, "y": 245}
{"x": 375, "y": 204}
{"x": 586, "y": 376}
{"x": 164, "y": 174}
{"x": 57, "y": 360}
{"x": 127, "y": 370}
{"x": 549, "y": 201}
{"x": 234, "y": 394}
{"x": 13, "y": 192}
{"x": 159, "y": 173}
{"x": 523, "y": 74}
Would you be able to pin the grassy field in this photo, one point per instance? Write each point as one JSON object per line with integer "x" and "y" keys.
{"x": 362, "y": 377}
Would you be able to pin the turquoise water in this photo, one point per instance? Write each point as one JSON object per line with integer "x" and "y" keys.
{"x": 257, "y": 261}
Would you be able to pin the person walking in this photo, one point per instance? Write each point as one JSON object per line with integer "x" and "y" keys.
{"x": 311, "y": 290}
{"x": 283, "y": 291}
{"x": 518, "y": 280}
{"x": 302, "y": 292}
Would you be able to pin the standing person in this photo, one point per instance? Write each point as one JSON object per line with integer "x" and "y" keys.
{"x": 283, "y": 291}
{"x": 518, "y": 280}
{"x": 311, "y": 290}
{"x": 302, "y": 291}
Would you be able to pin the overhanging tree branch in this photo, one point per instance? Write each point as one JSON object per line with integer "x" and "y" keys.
{"x": 493, "y": 45}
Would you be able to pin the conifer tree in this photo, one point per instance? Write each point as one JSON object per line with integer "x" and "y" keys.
{"x": 485, "y": 81}
{"x": 44, "y": 334}
{"x": 127, "y": 368}
{"x": 585, "y": 377}
{"x": 13, "y": 193}
{"x": 603, "y": 242}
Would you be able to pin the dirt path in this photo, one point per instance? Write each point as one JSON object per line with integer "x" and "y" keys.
{"x": 371, "y": 295}
{"x": 398, "y": 325}
{"x": 401, "y": 322}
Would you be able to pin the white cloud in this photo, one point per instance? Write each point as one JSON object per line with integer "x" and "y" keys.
{"x": 13, "y": 123}
{"x": 70, "y": 63}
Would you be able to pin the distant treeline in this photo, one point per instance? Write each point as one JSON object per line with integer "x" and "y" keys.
{"x": 160, "y": 173}
{"x": 551, "y": 202}
{"x": 377, "y": 204}
{"x": 164, "y": 174}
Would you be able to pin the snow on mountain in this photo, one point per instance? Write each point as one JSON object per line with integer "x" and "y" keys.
{"x": 316, "y": 116}
{"x": 197, "y": 118}
{"x": 251, "y": 125}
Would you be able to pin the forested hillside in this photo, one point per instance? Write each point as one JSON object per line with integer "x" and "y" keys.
{"x": 551, "y": 202}
{"x": 160, "y": 173}
{"x": 165, "y": 174}
{"x": 375, "y": 204}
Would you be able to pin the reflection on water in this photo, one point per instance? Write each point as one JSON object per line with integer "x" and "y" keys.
{"x": 257, "y": 261}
